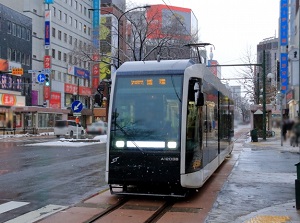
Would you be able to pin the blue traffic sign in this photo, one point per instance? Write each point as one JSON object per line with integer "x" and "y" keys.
{"x": 77, "y": 106}
{"x": 41, "y": 78}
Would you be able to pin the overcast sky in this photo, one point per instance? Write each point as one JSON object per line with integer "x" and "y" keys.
{"x": 232, "y": 26}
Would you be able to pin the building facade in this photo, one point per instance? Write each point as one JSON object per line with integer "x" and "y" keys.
{"x": 59, "y": 31}
{"x": 15, "y": 52}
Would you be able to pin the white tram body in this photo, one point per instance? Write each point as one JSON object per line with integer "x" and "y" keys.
{"x": 170, "y": 127}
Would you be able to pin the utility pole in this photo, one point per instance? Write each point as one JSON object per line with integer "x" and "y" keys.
{"x": 264, "y": 94}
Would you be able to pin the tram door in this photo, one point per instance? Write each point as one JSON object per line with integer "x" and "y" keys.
{"x": 194, "y": 153}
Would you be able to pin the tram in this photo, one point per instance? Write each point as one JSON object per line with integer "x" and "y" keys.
{"x": 170, "y": 127}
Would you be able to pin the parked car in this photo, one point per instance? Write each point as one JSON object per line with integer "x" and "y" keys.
{"x": 67, "y": 127}
{"x": 97, "y": 128}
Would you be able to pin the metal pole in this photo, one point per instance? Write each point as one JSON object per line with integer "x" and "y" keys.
{"x": 264, "y": 95}
{"x": 281, "y": 119}
{"x": 119, "y": 19}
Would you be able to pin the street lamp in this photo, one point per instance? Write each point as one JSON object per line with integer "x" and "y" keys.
{"x": 139, "y": 7}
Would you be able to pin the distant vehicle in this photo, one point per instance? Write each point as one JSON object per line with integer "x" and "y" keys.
{"x": 97, "y": 128}
{"x": 67, "y": 127}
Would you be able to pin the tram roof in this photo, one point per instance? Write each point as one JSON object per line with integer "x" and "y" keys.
{"x": 172, "y": 67}
{"x": 151, "y": 67}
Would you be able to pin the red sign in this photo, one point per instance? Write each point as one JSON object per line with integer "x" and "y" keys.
{"x": 47, "y": 61}
{"x": 46, "y": 92}
{"x": 85, "y": 91}
{"x": 8, "y": 99}
{"x": 95, "y": 82}
{"x": 70, "y": 88}
{"x": 55, "y": 100}
{"x": 95, "y": 69}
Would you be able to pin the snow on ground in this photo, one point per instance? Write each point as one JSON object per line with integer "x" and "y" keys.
{"x": 99, "y": 139}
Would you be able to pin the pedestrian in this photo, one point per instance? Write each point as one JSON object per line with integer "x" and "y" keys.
{"x": 284, "y": 129}
{"x": 296, "y": 131}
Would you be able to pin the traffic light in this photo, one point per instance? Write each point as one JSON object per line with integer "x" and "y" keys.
{"x": 47, "y": 80}
{"x": 101, "y": 87}
{"x": 99, "y": 99}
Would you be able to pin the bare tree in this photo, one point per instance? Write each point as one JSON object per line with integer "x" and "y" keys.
{"x": 144, "y": 40}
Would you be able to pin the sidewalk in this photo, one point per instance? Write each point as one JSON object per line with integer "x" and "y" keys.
{"x": 261, "y": 187}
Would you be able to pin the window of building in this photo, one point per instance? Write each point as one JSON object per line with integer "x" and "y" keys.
{"x": 13, "y": 55}
{"x": 59, "y": 75}
{"x": 59, "y": 14}
{"x": 9, "y": 27}
{"x": 23, "y": 33}
{"x": 65, "y": 18}
{"x": 53, "y": 53}
{"x": 59, "y": 34}
{"x": 65, "y": 57}
{"x": 75, "y": 23}
{"x": 89, "y": 31}
{"x": 75, "y": 4}
{"x": 65, "y": 37}
{"x": 70, "y": 40}
{"x": 9, "y": 53}
{"x": 19, "y": 34}
{"x": 70, "y": 20}
{"x": 28, "y": 59}
{"x": 53, "y": 32}
{"x": 59, "y": 55}
{"x": 23, "y": 58}
{"x": 70, "y": 59}
{"x": 71, "y": 2}
{"x": 28, "y": 35}
{"x": 80, "y": 26}
{"x": 19, "y": 56}
{"x": 84, "y": 28}
{"x": 53, "y": 11}
{"x": 75, "y": 42}
{"x": 84, "y": 11}
{"x": 14, "y": 29}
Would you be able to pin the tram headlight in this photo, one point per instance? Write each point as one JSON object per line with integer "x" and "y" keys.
{"x": 120, "y": 144}
{"x": 172, "y": 145}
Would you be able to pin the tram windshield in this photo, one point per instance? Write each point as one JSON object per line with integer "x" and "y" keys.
{"x": 146, "y": 112}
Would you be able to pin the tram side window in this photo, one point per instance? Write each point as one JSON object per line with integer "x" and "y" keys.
{"x": 194, "y": 151}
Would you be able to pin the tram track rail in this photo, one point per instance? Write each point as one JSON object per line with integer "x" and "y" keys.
{"x": 121, "y": 204}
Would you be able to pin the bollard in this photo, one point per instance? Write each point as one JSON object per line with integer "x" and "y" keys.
{"x": 297, "y": 186}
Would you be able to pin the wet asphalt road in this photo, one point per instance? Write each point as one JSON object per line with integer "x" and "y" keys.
{"x": 43, "y": 175}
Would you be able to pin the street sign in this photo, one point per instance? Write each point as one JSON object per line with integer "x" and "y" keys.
{"x": 77, "y": 106}
{"x": 17, "y": 71}
{"x": 34, "y": 71}
{"x": 76, "y": 114}
{"x": 46, "y": 70}
{"x": 41, "y": 78}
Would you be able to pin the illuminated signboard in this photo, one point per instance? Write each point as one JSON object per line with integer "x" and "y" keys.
{"x": 149, "y": 82}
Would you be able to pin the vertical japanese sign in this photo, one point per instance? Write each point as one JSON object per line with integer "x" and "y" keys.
{"x": 47, "y": 28}
{"x": 96, "y": 44}
{"x": 284, "y": 72}
{"x": 47, "y": 61}
{"x": 284, "y": 13}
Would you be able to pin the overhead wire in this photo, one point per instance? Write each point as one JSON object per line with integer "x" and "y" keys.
{"x": 176, "y": 17}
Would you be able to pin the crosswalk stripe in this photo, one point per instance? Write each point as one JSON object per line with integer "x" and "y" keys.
{"x": 36, "y": 215}
{"x": 11, "y": 205}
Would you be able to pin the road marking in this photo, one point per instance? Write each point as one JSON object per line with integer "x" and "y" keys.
{"x": 11, "y": 205}
{"x": 36, "y": 215}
